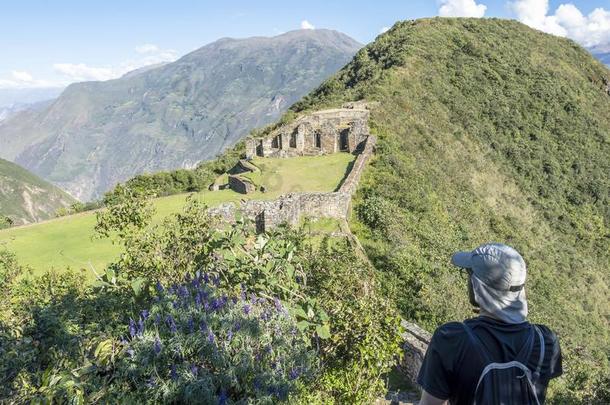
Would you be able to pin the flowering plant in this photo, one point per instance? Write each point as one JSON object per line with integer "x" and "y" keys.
{"x": 197, "y": 345}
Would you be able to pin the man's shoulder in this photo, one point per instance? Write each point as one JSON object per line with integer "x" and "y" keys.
{"x": 450, "y": 331}
{"x": 550, "y": 337}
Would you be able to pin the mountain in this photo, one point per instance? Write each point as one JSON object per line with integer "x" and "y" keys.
{"x": 7, "y": 112}
{"x": 488, "y": 131}
{"x": 25, "y": 96}
{"x": 99, "y": 133}
{"x": 603, "y": 57}
{"x": 26, "y": 198}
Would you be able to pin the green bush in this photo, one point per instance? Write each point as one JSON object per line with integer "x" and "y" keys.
{"x": 197, "y": 345}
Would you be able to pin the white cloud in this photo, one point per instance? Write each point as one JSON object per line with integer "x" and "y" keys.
{"x": 591, "y": 30}
{"x": 461, "y": 8}
{"x": 306, "y": 25}
{"x": 147, "y": 48}
{"x": 22, "y": 76}
{"x": 150, "y": 55}
{"x": 24, "y": 80}
{"x": 383, "y": 29}
{"x": 80, "y": 72}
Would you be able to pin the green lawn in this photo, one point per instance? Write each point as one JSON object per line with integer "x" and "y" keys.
{"x": 67, "y": 241}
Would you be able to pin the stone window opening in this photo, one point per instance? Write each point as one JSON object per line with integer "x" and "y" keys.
{"x": 259, "y": 149}
{"x": 293, "y": 140}
{"x": 276, "y": 142}
{"x": 317, "y": 139}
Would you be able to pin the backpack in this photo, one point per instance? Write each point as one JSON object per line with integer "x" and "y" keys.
{"x": 511, "y": 382}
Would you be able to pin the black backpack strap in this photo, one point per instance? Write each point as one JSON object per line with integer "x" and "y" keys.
{"x": 536, "y": 375}
{"x": 476, "y": 342}
{"x": 526, "y": 350}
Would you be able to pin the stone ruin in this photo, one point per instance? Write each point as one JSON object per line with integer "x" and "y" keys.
{"x": 291, "y": 208}
{"x": 322, "y": 132}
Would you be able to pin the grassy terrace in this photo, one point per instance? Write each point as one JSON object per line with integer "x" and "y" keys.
{"x": 67, "y": 242}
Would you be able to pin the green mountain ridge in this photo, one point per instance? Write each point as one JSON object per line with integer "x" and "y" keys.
{"x": 97, "y": 134}
{"x": 488, "y": 131}
{"x": 26, "y": 198}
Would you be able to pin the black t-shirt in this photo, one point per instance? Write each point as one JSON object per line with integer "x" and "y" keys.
{"x": 452, "y": 365}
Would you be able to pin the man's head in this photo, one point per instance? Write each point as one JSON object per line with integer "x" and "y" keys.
{"x": 497, "y": 281}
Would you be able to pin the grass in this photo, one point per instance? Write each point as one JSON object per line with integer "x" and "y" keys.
{"x": 488, "y": 131}
{"x": 67, "y": 241}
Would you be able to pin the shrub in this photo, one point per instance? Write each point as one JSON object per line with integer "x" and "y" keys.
{"x": 195, "y": 344}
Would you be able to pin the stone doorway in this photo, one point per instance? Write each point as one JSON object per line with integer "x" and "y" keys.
{"x": 344, "y": 140}
{"x": 259, "y": 149}
{"x": 317, "y": 140}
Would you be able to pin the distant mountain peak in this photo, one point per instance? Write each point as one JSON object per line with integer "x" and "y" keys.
{"x": 164, "y": 117}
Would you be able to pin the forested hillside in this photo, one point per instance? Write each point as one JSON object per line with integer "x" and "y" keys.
{"x": 26, "y": 198}
{"x": 489, "y": 131}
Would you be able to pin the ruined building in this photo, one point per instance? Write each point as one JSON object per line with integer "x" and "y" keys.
{"x": 319, "y": 133}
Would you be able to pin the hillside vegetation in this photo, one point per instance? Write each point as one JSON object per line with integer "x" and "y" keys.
{"x": 489, "y": 131}
{"x": 26, "y": 198}
{"x": 97, "y": 134}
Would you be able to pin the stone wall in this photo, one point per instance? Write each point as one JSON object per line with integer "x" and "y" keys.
{"x": 322, "y": 132}
{"x": 291, "y": 208}
{"x": 240, "y": 185}
{"x": 416, "y": 341}
{"x": 350, "y": 184}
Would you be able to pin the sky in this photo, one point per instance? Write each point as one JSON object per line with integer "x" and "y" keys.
{"x": 47, "y": 44}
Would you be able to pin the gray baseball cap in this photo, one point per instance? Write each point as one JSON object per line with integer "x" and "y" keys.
{"x": 497, "y": 265}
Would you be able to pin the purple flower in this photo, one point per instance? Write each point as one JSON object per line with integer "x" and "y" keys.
{"x": 229, "y": 336}
{"x": 159, "y": 287}
{"x": 191, "y": 325}
{"x": 265, "y": 316}
{"x": 206, "y": 278}
{"x": 247, "y": 309}
{"x": 216, "y": 281}
{"x": 243, "y": 293}
{"x": 217, "y": 303}
{"x": 157, "y": 319}
{"x": 140, "y": 326}
{"x": 157, "y": 346}
{"x": 172, "y": 373}
{"x": 206, "y": 306}
{"x": 144, "y": 314}
{"x": 203, "y": 326}
{"x": 222, "y": 399}
{"x": 294, "y": 374}
{"x": 194, "y": 370}
{"x": 198, "y": 300}
{"x": 237, "y": 326}
{"x": 183, "y": 292}
{"x": 210, "y": 336}
{"x": 133, "y": 331}
{"x": 278, "y": 304}
{"x": 171, "y": 324}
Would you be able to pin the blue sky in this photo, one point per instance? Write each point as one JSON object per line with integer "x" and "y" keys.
{"x": 46, "y": 43}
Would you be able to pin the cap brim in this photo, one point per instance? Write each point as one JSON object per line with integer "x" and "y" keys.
{"x": 462, "y": 259}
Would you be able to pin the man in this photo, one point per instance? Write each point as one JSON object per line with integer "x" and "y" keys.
{"x": 498, "y": 357}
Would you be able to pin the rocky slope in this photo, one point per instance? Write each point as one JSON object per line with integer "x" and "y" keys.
{"x": 175, "y": 115}
{"x": 26, "y": 198}
{"x": 488, "y": 131}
